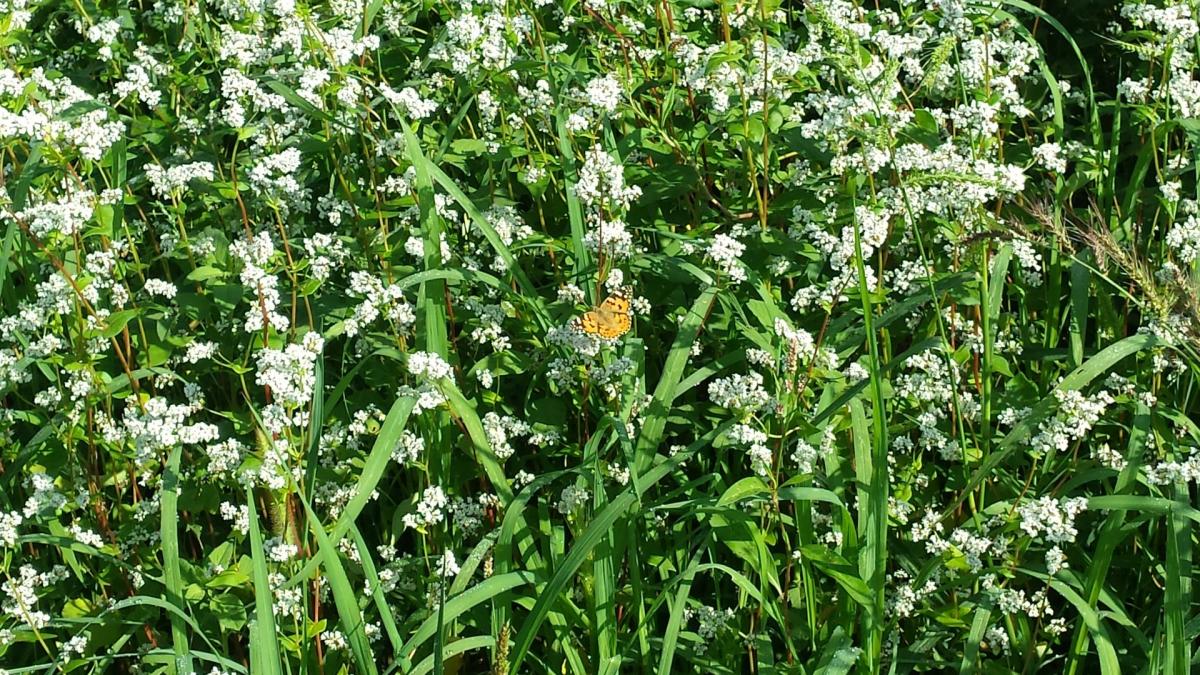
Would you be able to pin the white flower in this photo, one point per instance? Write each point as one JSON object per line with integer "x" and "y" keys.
{"x": 431, "y": 510}
{"x": 161, "y": 288}
{"x": 726, "y": 252}
{"x": 1050, "y": 156}
{"x": 739, "y": 393}
{"x": 428, "y": 366}
{"x": 1051, "y": 519}
{"x": 408, "y": 448}
{"x": 604, "y": 93}
{"x": 9, "y": 522}
{"x": 572, "y": 498}
{"x": 290, "y": 372}
{"x": 447, "y": 566}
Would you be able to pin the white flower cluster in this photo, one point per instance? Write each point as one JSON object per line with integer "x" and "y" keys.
{"x": 805, "y": 457}
{"x": 1184, "y": 236}
{"x": 409, "y": 102}
{"x": 904, "y": 595}
{"x": 1015, "y": 601}
{"x": 255, "y": 254}
{"x": 431, "y": 510}
{"x": 428, "y": 366}
{"x": 168, "y": 183}
{"x": 161, "y": 288}
{"x": 604, "y": 93}
{"x": 157, "y": 426}
{"x": 474, "y": 42}
{"x": 602, "y": 189}
{"x": 970, "y": 545}
{"x": 755, "y": 442}
{"x": 66, "y": 215}
{"x": 447, "y": 566}
{"x": 726, "y": 252}
{"x": 9, "y": 522}
{"x": 709, "y": 623}
{"x": 1051, "y": 519}
{"x": 378, "y": 299}
{"x": 571, "y": 499}
{"x": 742, "y": 394}
{"x": 290, "y": 372}
{"x": 225, "y": 457}
{"x": 408, "y": 448}
{"x": 44, "y": 496}
{"x": 1175, "y": 471}
{"x": 1076, "y": 415}
{"x": 20, "y": 599}
{"x": 500, "y": 429}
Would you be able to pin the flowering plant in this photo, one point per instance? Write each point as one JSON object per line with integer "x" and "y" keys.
{"x": 597, "y": 336}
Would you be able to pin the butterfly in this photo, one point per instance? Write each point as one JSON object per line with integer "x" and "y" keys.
{"x": 611, "y": 319}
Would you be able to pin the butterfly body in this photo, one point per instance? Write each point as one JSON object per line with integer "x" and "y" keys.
{"x": 610, "y": 319}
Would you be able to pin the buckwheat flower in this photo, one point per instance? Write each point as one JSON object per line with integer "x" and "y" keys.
{"x": 165, "y": 183}
{"x": 45, "y": 495}
{"x": 1076, "y": 415}
{"x": 743, "y": 394}
{"x": 275, "y": 174}
{"x": 225, "y": 457}
{"x": 726, "y": 253}
{"x": 409, "y": 102}
{"x": 1184, "y": 239}
{"x": 86, "y": 537}
{"x": 1134, "y": 91}
{"x": 76, "y": 645}
{"x": 199, "y": 351}
{"x": 760, "y": 357}
{"x": 447, "y": 566}
{"x": 160, "y": 288}
{"x": 856, "y": 372}
{"x": 415, "y": 246}
{"x": 1109, "y": 457}
{"x": 66, "y": 215}
{"x": 1056, "y": 560}
{"x": 290, "y": 372}
{"x": 239, "y": 516}
{"x": 431, "y": 510}
{"x": 408, "y": 448}
{"x": 104, "y": 33}
{"x": 1051, "y": 519}
{"x": 619, "y": 473}
{"x": 1050, "y": 155}
{"x": 1175, "y": 471}
{"x": 428, "y": 366}
{"x": 754, "y": 441}
{"x": 1171, "y": 190}
{"x": 805, "y": 457}
{"x": 710, "y": 622}
{"x": 485, "y": 378}
{"x": 279, "y": 551}
{"x": 604, "y": 93}
{"x": 9, "y": 522}
{"x": 609, "y": 235}
{"x": 602, "y": 181}
{"x": 428, "y": 396}
{"x": 378, "y": 300}
{"x": 499, "y": 429}
{"x": 572, "y": 498}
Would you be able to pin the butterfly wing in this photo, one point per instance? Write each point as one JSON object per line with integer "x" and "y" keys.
{"x": 590, "y": 322}
{"x": 613, "y": 313}
{"x": 610, "y": 320}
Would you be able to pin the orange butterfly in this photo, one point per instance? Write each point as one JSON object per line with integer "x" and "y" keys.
{"x": 611, "y": 319}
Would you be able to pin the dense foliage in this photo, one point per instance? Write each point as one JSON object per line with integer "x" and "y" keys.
{"x": 598, "y": 336}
